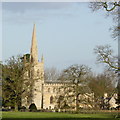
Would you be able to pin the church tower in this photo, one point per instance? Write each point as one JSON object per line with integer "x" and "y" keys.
{"x": 34, "y": 49}
{"x": 34, "y": 76}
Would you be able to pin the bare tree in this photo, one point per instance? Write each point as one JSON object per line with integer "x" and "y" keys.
{"x": 108, "y": 6}
{"x": 113, "y": 9}
{"x": 105, "y": 55}
{"x": 75, "y": 79}
{"x": 51, "y": 74}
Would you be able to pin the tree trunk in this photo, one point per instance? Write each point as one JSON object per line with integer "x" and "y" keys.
{"x": 77, "y": 99}
{"x": 118, "y": 85}
{"x": 16, "y": 107}
{"x": 77, "y": 104}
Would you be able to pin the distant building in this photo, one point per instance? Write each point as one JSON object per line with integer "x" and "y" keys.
{"x": 112, "y": 102}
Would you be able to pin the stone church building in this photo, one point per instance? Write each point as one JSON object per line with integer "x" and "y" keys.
{"x": 37, "y": 90}
{"x": 40, "y": 93}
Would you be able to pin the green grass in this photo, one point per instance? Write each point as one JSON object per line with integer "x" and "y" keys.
{"x": 55, "y": 116}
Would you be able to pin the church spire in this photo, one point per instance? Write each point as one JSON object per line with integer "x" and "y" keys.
{"x": 34, "y": 50}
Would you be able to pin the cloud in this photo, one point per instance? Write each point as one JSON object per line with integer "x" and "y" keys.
{"x": 25, "y": 6}
{"x": 35, "y": 17}
{"x": 38, "y": 12}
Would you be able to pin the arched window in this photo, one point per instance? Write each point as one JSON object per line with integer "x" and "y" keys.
{"x": 48, "y": 89}
{"x": 51, "y": 99}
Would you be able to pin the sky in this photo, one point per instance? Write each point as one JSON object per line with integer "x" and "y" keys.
{"x": 67, "y": 32}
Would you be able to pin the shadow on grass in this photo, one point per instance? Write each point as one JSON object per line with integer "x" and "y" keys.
{"x": 60, "y": 119}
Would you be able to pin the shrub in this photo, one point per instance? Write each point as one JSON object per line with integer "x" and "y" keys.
{"x": 22, "y": 109}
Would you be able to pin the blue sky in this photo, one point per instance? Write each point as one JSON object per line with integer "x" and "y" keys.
{"x": 67, "y": 33}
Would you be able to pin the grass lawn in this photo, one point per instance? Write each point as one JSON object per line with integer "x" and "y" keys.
{"x": 54, "y": 116}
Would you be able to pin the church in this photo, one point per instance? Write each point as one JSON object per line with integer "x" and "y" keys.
{"x": 40, "y": 93}
{"x": 37, "y": 90}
